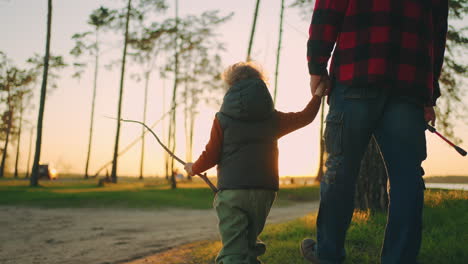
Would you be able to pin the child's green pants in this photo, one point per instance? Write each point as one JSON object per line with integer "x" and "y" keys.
{"x": 242, "y": 215}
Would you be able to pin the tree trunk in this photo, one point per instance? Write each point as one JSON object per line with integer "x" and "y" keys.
{"x": 29, "y": 152}
{"x": 252, "y": 32}
{"x": 278, "y": 51}
{"x": 93, "y": 104}
{"x": 322, "y": 152}
{"x": 168, "y": 159}
{"x": 19, "y": 138}
{"x": 143, "y": 130}
{"x": 190, "y": 116}
{"x": 186, "y": 126}
{"x": 166, "y": 155}
{"x": 192, "y": 129}
{"x": 7, "y": 141}
{"x": 173, "y": 178}
{"x": 37, "y": 154}
{"x": 189, "y": 131}
{"x": 371, "y": 189}
{"x": 119, "y": 107}
{"x": 172, "y": 124}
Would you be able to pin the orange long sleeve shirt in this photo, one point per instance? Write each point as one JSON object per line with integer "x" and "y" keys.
{"x": 287, "y": 123}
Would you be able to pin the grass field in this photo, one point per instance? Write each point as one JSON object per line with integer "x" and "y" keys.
{"x": 128, "y": 193}
{"x": 446, "y": 179}
{"x": 445, "y": 235}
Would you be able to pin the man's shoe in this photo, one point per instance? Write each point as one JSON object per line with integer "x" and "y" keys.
{"x": 308, "y": 250}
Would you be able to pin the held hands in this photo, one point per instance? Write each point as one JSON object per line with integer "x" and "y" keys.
{"x": 429, "y": 115}
{"x": 188, "y": 168}
{"x": 319, "y": 85}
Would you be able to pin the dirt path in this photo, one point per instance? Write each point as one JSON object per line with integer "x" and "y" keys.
{"x": 98, "y": 236}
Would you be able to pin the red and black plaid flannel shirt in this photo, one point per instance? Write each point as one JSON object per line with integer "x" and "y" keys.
{"x": 399, "y": 43}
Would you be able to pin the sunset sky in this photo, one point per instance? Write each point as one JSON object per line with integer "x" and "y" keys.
{"x": 66, "y": 123}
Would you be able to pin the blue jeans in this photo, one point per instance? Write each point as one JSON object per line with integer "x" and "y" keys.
{"x": 399, "y": 128}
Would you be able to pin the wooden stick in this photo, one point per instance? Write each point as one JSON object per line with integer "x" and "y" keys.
{"x": 203, "y": 176}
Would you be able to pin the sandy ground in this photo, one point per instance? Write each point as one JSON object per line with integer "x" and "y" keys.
{"x": 98, "y": 236}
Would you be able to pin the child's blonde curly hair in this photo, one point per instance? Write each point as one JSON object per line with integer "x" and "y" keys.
{"x": 243, "y": 70}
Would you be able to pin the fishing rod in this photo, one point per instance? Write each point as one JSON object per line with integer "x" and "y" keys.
{"x": 457, "y": 148}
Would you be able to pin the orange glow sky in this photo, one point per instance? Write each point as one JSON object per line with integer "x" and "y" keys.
{"x": 66, "y": 124}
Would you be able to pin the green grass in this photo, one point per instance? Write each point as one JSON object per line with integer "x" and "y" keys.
{"x": 128, "y": 193}
{"x": 445, "y": 235}
{"x": 446, "y": 179}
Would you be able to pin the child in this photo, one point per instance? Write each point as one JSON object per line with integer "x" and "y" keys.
{"x": 243, "y": 144}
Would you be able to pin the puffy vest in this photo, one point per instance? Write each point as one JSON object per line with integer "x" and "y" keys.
{"x": 249, "y": 157}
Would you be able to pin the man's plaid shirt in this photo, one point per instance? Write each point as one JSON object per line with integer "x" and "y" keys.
{"x": 398, "y": 43}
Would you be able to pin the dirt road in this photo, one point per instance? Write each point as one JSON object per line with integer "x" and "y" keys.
{"x": 98, "y": 236}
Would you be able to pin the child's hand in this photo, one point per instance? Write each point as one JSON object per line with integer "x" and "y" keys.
{"x": 188, "y": 168}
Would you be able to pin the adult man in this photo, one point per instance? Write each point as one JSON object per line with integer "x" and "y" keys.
{"x": 383, "y": 83}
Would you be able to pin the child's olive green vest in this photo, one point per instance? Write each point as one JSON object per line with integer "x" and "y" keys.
{"x": 249, "y": 157}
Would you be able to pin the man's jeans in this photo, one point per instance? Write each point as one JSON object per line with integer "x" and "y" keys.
{"x": 399, "y": 128}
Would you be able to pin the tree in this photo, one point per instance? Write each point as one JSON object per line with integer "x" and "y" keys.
{"x": 252, "y": 31}
{"x": 7, "y": 119}
{"x": 48, "y": 65}
{"x": 37, "y": 154}
{"x": 278, "y": 51}
{"x": 5, "y": 87}
{"x": 322, "y": 152}
{"x": 31, "y": 133}
{"x": 172, "y": 122}
{"x": 201, "y": 69}
{"x": 152, "y": 41}
{"x": 199, "y": 73}
{"x": 119, "y": 104}
{"x": 13, "y": 87}
{"x": 142, "y": 7}
{"x": 24, "y": 96}
{"x": 98, "y": 19}
{"x": 306, "y": 8}
{"x": 371, "y": 189}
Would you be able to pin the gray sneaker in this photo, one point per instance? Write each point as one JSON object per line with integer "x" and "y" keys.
{"x": 308, "y": 250}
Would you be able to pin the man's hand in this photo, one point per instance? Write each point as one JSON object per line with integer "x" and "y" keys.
{"x": 429, "y": 115}
{"x": 188, "y": 168}
{"x": 319, "y": 85}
